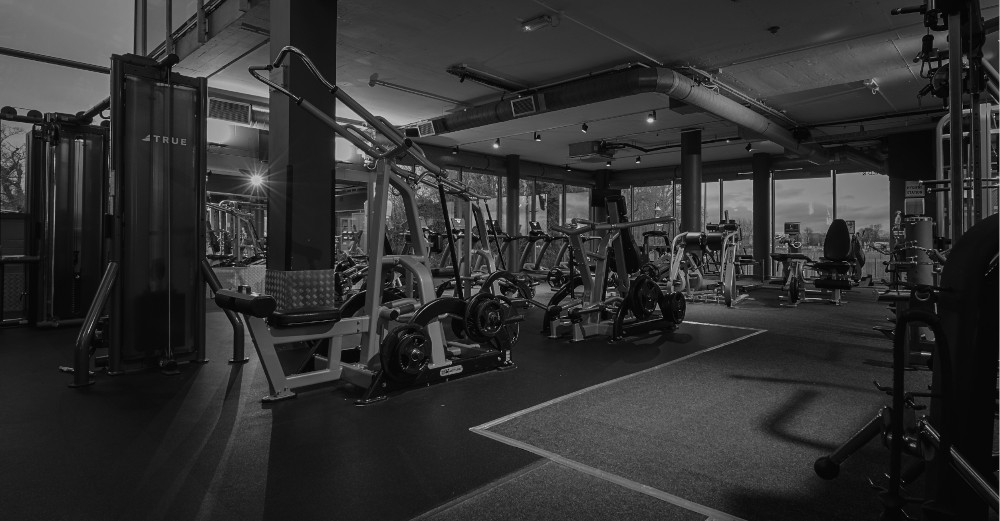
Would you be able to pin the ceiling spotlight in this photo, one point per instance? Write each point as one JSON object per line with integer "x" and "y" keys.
{"x": 538, "y": 137}
{"x": 638, "y": 159}
{"x": 609, "y": 162}
{"x": 568, "y": 169}
{"x": 872, "y": 84}
{"x": 584, "y": 128}
{"x": 749, "y": 147}
{"x": 454, "y": 150}
{"x": 651, "y": 117}
{"x": 496, "y": 144}
{"x": 256, "y": 180}
{"x": 539, "y": 22}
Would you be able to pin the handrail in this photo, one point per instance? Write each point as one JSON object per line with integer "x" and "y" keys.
{"x": 239, "y": 354}
{"x": 81, "y": 352}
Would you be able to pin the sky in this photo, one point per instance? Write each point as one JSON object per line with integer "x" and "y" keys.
{"x": 92, "y": 30}
{"x": 83, "y": 30}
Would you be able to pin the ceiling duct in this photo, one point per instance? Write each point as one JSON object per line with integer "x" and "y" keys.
{"x": 238, "y": 113}
{"x": 660, "y": 80}
{"x": 524, "y": 106}
{"x": 425, "y": 128}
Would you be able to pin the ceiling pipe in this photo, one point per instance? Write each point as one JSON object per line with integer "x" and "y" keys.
{"x": 731, "y": 169}
{"x": 652, "y": 80}
{"x": 445, "y": 157}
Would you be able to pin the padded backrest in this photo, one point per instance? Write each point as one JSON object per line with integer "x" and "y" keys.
{"x": 260, "y": 306}
{"x": 837, "y": 246}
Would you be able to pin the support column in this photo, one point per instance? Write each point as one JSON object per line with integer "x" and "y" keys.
{"x": 301, "y": 244}
{"x": 691, "y": 206}
{"x": 833, "y": 184}
{"x": 511, "y": 221}
{"x": 762, "y": 213}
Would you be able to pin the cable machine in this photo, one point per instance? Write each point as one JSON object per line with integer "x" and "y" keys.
{"x": 149, "y": 309}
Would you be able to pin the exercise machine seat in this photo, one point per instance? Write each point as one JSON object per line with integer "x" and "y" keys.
{"x": 260, "y": 306}
{"x": 303, "y": 316}
{"x": 837, "y": 246}
{"x": 837, "y": 251}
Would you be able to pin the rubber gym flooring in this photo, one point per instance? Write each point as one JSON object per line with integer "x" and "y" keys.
{"x": 721, "y": 419}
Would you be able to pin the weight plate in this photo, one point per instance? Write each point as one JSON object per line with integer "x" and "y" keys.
{"x": 643, "y": 296}
{"x": 555, "y": 278}
{"x": 676, "y": 307}
{"x": 484, "y": 317}
{"x": 404, "y": 353}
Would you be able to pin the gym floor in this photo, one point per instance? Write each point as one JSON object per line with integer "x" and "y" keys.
{"x": 721, "y": 419}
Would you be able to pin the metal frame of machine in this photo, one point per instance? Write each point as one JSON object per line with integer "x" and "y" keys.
{"x": 594, "y": 313}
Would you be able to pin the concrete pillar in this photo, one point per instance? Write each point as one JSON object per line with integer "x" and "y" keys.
{"x": 511, "y": 200}
{"x": 301, "y": 244}
{"x": 762, "y": 213}
{"x": 691, "y": 205}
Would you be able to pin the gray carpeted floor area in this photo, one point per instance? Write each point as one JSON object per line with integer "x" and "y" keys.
{"x": 736, "y": 429}
{"x": 552, "y": 492}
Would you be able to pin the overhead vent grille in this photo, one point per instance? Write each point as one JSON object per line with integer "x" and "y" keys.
{"x": 523, "y": 106}
{"x": 229, "y": 111}
{"x": 425, "y": 128}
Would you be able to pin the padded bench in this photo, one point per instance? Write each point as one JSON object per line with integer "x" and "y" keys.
{"x": 264, "y": 306}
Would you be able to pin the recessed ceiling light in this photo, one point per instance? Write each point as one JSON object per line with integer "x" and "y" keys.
{"x": 496, "y": 144}
{"x": 651, "y": 117}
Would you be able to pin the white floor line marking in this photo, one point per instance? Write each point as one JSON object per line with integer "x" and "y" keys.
{"x": 724, "y": 325}
{"x": 533, "y": 408}
{"x": 713, "y": 514}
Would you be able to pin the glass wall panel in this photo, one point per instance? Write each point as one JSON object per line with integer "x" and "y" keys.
{"x": 577, "y": 203}
{"x": 864, "y": 199}
{"x": 710, "y": 203}
{"x": 525, "y": 208}
{"x": 807, "y": 202}
{"x": 649, "y": 202}
{"x": 548, "y": 211}
{"x": 737, "y": 200}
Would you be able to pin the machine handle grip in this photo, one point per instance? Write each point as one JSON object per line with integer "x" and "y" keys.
{"x": 267, "y": 81}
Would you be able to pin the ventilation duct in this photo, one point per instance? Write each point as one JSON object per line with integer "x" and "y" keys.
{"x": 238, "y": 113}
{"x": 660, "y": 80}
{"x": 521, "y": 107}
{"x": 425, "y": 128}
